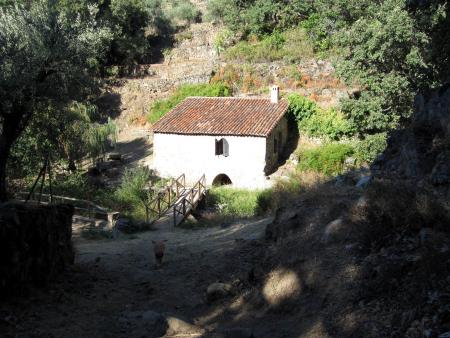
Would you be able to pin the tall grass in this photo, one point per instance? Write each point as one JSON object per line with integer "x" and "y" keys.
{"x": 327, "y": 159}
{"x": 240, "y": 203}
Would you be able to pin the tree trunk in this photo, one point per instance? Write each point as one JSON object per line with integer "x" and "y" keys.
{"x": 13, "y": 125}
{"x": 5, "y": 149}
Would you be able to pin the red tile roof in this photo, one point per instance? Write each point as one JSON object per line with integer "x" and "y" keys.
{"x": 222, "y": 116}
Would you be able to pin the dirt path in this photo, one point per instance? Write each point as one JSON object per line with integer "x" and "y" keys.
{"x": 114, "y": 282}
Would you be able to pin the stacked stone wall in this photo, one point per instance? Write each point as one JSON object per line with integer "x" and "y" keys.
{"x": 35, "y": 245}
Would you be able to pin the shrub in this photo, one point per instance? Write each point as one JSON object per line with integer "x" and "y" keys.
{"x": 223, "y": 40}
{"x": 136, "y": 191}
{"x": 330, "y": 124}
{"x": 301, "y": 107}
{"x": 161, "y": 107}
{"x": 327, "y": 159}
{"x": 292, "y": 45}
{"x": 317, "y": 122}
{"x": 317, "y": 29}
{"x": 236, "y": 202}
{"x": 370, "y": 147}
{"x": 182, "y": 10}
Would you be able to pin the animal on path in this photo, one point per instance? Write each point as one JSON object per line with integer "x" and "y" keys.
{"x": 158, "y": 248}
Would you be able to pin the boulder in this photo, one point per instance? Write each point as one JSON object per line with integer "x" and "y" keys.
{"x": 218, "y": 291}
{"x": 364, "y": 182}
{"x": 420, "y": 152}
{"x": 115, "y": 157}
{"x": 281, "y": 285}
{"x": 177, "y": 326}
{"x": 155, "y": 323}
{"x": 238, "y": 332}
{"x": 332, "y": 230}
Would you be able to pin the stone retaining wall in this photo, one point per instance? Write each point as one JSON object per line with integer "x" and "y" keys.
{"x": 35, "y": 245}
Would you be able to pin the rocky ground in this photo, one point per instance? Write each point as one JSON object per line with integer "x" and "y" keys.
{"x": 335, "y": 261}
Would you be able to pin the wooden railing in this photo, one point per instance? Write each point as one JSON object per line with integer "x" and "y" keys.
{"x": 82, "y": 207}
{"x": 167, "y": 197}
{"x": 189, "y": 201}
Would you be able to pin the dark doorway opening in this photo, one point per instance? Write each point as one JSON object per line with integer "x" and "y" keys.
{"x": 221, "y": 179}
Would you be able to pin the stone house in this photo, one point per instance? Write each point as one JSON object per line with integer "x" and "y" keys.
{"x": 231, "y": 140}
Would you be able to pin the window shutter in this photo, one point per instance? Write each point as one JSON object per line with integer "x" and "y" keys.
{"x": 225, "y": 147}
{"x": 217, "y": 148}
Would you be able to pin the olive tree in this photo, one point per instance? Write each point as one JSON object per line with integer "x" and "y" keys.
{"x": 45, "y": 59}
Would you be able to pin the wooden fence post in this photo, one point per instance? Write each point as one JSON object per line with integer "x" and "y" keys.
{"x": 174, "y": 215}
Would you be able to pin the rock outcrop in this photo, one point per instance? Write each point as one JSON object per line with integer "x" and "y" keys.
{"x": 35, "y": 245}
{"x": 421, "y": 152}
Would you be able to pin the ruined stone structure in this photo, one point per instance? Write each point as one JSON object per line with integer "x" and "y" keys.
{"x": 234, "y": 141}
{"x": 35, "y": 244}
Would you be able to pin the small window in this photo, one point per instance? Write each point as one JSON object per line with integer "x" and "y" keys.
{"x": 222, "y": 147}
{"x": 275, "y": 146}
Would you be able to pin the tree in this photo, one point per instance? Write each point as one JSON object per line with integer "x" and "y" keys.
{"x": 45, "y": 59}
{"x": 388, "y": 52}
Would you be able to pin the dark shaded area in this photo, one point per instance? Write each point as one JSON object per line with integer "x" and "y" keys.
{"x": 420, "y": 152}
{"x": 289, "y": 147}
{"x": 221, "y": 179}
{"x": 108, "y": 105}
{"x": 35, "y": 245}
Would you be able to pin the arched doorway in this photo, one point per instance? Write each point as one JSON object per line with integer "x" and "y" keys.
{"x": 221, "y": 179}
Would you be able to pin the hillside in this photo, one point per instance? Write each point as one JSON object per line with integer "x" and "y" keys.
{"x": 349, "y": 234}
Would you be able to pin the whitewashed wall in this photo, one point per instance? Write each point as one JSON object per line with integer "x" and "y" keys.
{"x": 194, "y": 155}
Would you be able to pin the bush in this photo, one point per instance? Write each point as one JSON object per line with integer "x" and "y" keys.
{"x": 161, "y": 107}
{"x": 236, "y": 202}
{"x": 292, "y": 45}
{"x": 317, "y": 122}
{"x": 328, "y": 159}
{"x": 368, "y": 149}
{"x": 301, "y": 107}
{"x": 136, "y": 191}
{"x": 183, "y": 10}
{"x": 330, "y": 124}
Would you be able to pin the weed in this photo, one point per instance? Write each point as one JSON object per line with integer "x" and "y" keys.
{"x": 327, "y": 159}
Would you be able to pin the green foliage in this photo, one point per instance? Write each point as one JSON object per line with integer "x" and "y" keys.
{"x": 224, "y": 39}
{"x": 316, "y": 27}
{"x": 47, "y": 60}
{"x": 67, "y": 134}
{"x": 100, "y": 138}
{"x": 161, "y": 107}
{"x": 291, "y": 45}
{"x": 130, "y": 20}
{"x": 136, "y": 192}
{"x": 330, "y": 124}
{"x": 301, "y": 108}
{"x": 370, "y": 147}
{"x": 182, "y": 10}
{"x": 260, "y": 16}
{"x": 239, "y": 203}
{"x": 390, "y": 49}
{"x": 327, "y": 159}
{"x": 317, "y": 122}
{"x": 135, "y": 187}
{"x": 387, "y": 51}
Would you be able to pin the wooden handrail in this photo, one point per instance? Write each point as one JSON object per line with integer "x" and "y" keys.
{"x": 179, "y": 208}
{"x": 79, "y": 205}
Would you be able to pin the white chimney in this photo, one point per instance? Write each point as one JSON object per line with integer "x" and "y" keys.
{"x": 274, "y": 94}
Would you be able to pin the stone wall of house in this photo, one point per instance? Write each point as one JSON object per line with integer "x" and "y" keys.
{"x": 280, "y": 133}
{"x": 35, "y": 245}
{"x": 194, "y": 155}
